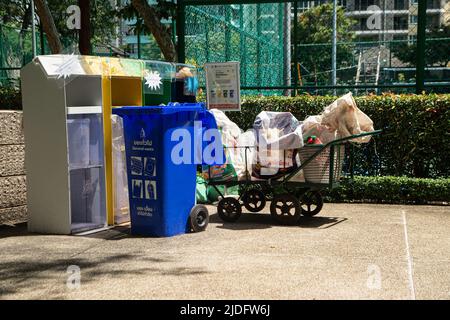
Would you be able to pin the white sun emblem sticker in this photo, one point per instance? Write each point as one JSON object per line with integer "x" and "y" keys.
{"x": 153, "y": 80}
{"x": 68, "y": 66}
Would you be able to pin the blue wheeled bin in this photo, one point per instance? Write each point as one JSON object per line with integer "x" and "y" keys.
{"x": 163, "y": 147}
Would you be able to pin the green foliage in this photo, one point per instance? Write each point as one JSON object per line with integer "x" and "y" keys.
{"x": 13, "y": 13}
{"x": 391, "y": 190}
{"x": 436, "y": 50}
{"x": 10, "y": 98}
{"x": 315, "y": 27}
{"x": 164, "y": 10}
{"x": 416, "y": 138}
{"x": 102, "y": 21}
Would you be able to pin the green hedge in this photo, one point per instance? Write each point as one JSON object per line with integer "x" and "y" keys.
{"x": 416, "y": 139}
{"x": 415, "y": 142}
{"x": 391, "y": 190}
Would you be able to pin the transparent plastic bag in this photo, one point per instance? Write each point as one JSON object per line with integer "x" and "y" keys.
{"x": 234, "y": 166}
{"x": 120, "y": 181}
{"x": 278, "y": 135}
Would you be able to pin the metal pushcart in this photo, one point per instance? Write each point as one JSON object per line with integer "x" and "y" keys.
{"x": 321, "y": 166}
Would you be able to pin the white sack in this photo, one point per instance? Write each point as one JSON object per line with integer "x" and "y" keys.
{"x": 312, "y": 126}
{"x": 344, "y": 116}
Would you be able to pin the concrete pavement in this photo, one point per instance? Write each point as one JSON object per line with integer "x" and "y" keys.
{"x": 349, "y": 251}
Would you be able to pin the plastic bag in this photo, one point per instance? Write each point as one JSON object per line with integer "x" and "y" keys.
{"x": 278, "y": 135}
{"x": 312, "y": 126}
{"x": 278, "y": 130}
{"x": 344, "y": 116}
{"x": 246, "y": 143}
{"x": 120, "y": 181}
{"x": 234, "y": 165}
{"x": 200, "y": 190}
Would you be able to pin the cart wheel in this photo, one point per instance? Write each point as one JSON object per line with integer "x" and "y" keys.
{"x": 311, "y": 203}
{"x": 254, "y": 200}
{"x": 229, "y": 209}
{"x": 199, "y": 218}
{"x": 285, "y": 209}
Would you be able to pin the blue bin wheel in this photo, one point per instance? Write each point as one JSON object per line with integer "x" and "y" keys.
{"x": 199, "y": 218}
{"x": 311, "y": 202}
{"x": 229, "y": 209}
{"x": 254, "y": 200}
{"x": 285, "y": 209}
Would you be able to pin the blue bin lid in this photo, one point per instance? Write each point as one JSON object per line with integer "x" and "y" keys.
{"x": 170, "y": 108}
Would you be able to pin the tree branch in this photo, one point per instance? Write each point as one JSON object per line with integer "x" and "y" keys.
{"x": 159, "y": 31}
{"x": 48, "y": 24}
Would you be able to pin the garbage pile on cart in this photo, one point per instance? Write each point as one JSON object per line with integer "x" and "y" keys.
{"x": 281, "y": 152}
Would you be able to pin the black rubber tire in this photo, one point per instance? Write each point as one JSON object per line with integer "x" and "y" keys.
{"x": 254, "y": 200}
{"x": 229, "y": 209}
{"x": 311, "y": 202}
{"x": 199, "y": 218}
{"x": 285, "y": 209}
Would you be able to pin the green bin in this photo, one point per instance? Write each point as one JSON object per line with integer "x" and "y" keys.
{"x": 157, "y": 82}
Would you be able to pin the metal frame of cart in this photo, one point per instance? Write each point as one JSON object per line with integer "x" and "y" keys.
{"x": 289, "y": 199}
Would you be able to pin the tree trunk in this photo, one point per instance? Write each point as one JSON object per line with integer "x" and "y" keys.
{"x": 49, "y": 26}
{"x": 84, "y": 40}
{"x": 159, "y": 31}
{"x": 26, "y": 21}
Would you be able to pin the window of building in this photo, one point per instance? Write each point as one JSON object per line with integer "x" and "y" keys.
{"x": 400, "y": 23}
{"x": 433, "y": 21}
{"x": 362, "y": 24}
{"x": 433, "y": 4}
{"x": 413, "y": 19}
{"x": 412, "y": 39}
{"x": 399, "y": 37}
{"x": 413, "y": 1}
{"x": 362, "y": 5}
{"x": 401, "y": 5}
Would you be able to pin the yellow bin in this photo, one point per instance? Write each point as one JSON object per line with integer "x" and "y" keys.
{"x": 121, "y": 86}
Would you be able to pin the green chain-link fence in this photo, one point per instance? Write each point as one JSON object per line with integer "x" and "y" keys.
{"x": 283, "y": 45}
{"x": 250, "y": 33}
{"x": 15, "y": 51}
{"x": 376, "y": 48}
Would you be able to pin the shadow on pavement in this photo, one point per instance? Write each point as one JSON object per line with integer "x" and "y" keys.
{"x": 16, "y": 230}
{"x": 18, "y": 275}
{"x": 249, "y": 221}
{"x": 320, "y": 222}
{"x": 20, "y": 230}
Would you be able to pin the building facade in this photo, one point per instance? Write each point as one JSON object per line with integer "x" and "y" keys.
{"x": 384, "y": 20}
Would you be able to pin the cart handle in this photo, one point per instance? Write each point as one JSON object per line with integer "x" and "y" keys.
{"x": 355, "y": 136}
{"x": 337, "y": 141}
{"x": 330, "y": 144}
